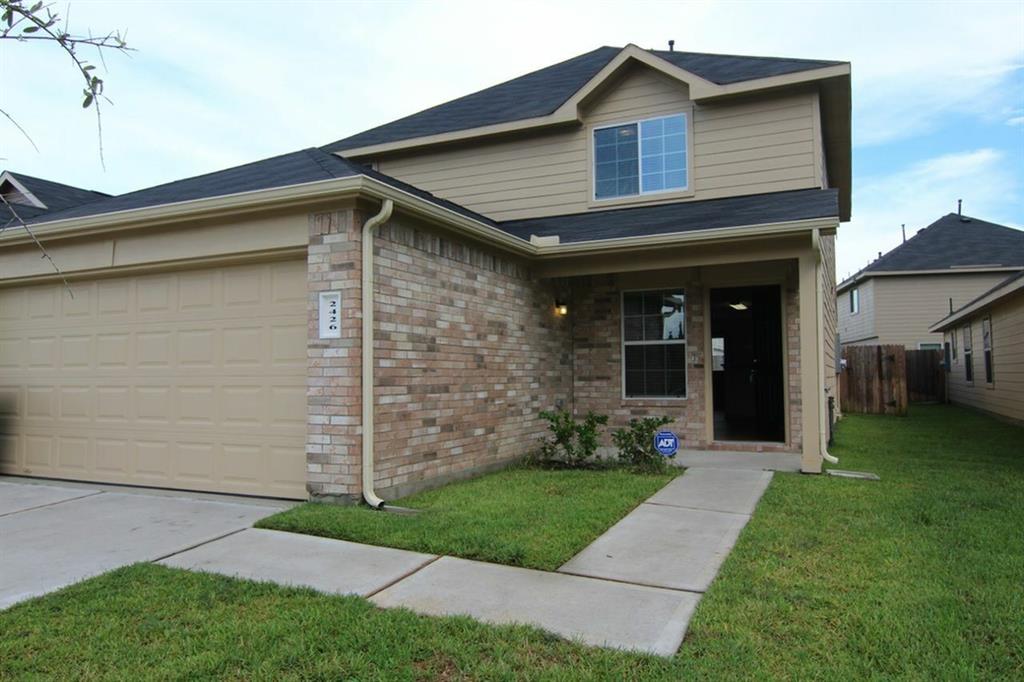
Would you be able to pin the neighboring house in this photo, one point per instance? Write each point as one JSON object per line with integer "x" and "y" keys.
{"x": 579, "y": 237}
{"x": 896, "y": 298}
{"x": 984, "y": 350}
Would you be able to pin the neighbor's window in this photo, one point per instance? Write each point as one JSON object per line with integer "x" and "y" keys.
{"x": 854, "y": 301}
{"x": 654, "y": 344}
{"x": 986, "y": 344}
{"x": 968, "y": 355}
{"x": 640, "y": 157}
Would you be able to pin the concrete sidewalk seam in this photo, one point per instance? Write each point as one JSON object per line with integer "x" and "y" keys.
{"x": 621, "y": 581}
{"x": 198, "y": 544}
{"x": 683, "y": 506}
{"x": 406, "y": 575}
{"x": 52, "y": 504}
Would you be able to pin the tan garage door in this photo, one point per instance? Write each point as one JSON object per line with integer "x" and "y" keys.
{"x": 192, "y": 379}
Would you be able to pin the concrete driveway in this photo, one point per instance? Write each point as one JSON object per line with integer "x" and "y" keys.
{"x": 55, "y": 535}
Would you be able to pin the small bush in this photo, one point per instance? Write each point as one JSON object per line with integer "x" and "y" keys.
{"x": 573, "y": 443}
{"x": 636, "y": 444}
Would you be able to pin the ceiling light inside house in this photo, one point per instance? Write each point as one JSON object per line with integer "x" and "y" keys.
{"x": 740, "y": 305}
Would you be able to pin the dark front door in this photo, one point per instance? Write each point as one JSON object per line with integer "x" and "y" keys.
{"x": 747, "y": 363}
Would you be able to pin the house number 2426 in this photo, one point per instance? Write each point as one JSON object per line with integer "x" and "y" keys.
{"x": 330, "y": 314}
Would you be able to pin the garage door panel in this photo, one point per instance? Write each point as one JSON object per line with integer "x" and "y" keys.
{"x": 192, "y": 380}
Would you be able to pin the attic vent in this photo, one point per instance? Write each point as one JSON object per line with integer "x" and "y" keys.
{"x": 13, "y": 195}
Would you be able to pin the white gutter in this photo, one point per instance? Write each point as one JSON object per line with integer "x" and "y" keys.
{"x": 369, "y": 229}
{"x": 823, "y": 424}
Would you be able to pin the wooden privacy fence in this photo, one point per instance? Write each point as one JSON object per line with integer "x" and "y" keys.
{"x": 884, "y": 379}
{"x": 926, "y": 376}
{"x": 874, "y": 380}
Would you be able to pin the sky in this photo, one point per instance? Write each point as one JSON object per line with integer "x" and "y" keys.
{"x": 938, "y": 87}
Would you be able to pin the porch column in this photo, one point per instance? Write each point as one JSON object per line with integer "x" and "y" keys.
{"x": 811, "y": 391}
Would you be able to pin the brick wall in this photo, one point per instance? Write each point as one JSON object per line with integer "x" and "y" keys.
{"x": 792, "y": 327}
{"x": 333, "y": 381}
{"x": 468, "y": 351}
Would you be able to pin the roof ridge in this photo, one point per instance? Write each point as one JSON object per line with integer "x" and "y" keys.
{"x": 805, "y": 60}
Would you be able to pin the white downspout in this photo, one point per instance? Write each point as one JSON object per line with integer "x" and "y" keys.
{"x": 367, "y": 350}
{"x": 823, "y": 424}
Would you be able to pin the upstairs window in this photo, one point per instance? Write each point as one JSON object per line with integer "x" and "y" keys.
{"x": 854, "y": 301}
{"x": 642, "y": 157}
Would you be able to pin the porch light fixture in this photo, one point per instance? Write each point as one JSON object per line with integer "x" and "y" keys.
{"x": 738, "y": 306}
{"x": 561, "y": 307}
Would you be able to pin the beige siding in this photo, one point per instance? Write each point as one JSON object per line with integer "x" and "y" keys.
{"x": 1005, "y": 395}
{"x": 858, "y": 328}
{"x": 828, "y": 288}
{"x": 906, "y": 306}
{"x": 741, "y": 147}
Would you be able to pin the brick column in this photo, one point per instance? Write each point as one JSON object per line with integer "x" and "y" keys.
{"x": 333, "y": 378}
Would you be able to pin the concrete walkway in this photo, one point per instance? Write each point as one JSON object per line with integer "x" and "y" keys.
{"x": 635, "y": 587}
{"x": 679, "y": 537}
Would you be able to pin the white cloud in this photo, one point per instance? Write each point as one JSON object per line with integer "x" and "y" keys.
{"x": 921, "y": 193}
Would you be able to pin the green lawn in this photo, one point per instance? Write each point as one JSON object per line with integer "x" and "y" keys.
{"x": 537, "y": 518}
{"x": 917, "y": 576}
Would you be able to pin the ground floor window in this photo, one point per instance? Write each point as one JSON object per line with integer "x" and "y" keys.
{"x": 968, "y": 355}
{"x": 654, "y": 344}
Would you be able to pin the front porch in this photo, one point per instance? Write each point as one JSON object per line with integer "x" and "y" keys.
{"x": 724, "y": 339}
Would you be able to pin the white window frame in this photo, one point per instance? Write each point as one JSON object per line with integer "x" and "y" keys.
{"x": 684, "y": 342}
{"x": 687, "y": 115}
{"x": 855, "y": 301}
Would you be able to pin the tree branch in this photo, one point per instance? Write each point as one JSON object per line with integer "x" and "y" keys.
{"x": 14, "y": 13}
{"x": 18, "y": 219}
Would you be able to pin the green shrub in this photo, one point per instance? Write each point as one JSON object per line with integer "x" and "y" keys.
{"x": 573, "y": 443}
{"x": 636, "y": 444}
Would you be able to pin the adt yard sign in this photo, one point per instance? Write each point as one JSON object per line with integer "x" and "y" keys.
{"x": 666, "y": 442}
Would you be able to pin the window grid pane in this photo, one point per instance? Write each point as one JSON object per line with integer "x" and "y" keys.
{"x": 663, "y": 153}
{"x": 654, "y": 344}
{"x": 616, "y": 166}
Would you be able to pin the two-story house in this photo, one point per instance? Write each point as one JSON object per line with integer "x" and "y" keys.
{"x": 632, "y": 232}
{"x": 896, "y": 298}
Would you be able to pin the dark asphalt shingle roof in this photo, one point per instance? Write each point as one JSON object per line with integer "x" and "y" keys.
{"x": 952, "y": 242}
{"x": 724, "y": 69}
{"x": 307, "y": 165}
{"x": 56, "y": 195}
{"x": 541, "y": 92}
{"x": 688, "y": 216}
